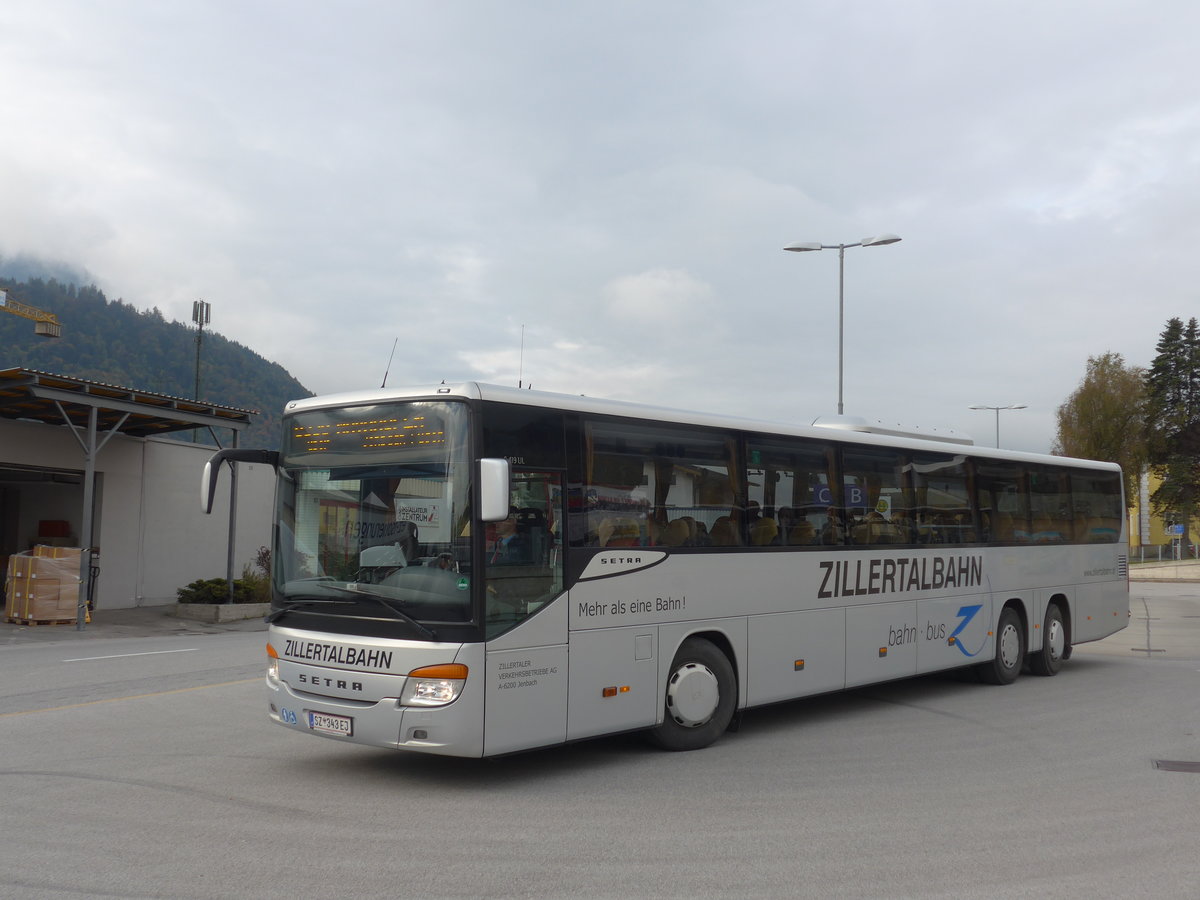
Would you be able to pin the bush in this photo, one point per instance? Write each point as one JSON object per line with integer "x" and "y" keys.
{"x": 216, "y": 590}
{"x": 253, "y": 587}
{"x": 256, "y": 584}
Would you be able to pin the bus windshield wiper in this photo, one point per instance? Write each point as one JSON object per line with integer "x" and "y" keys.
{"x": 290, "y": 605}
{"x": 386, "y": 603}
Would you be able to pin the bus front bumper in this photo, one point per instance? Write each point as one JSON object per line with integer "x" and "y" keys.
{"x": 452, "y": 730}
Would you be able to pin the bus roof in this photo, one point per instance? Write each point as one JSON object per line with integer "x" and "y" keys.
{"x": 846, "y": 429}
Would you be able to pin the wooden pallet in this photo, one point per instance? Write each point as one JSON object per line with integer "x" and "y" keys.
{"x": 20, "y": 620}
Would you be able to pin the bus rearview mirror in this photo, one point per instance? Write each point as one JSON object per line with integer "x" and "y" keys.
{"x": 208, "y": 481}
{"x": 493, "y": 489}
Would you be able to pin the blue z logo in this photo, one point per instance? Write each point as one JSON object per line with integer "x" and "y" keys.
{"x": 966, "y": 614}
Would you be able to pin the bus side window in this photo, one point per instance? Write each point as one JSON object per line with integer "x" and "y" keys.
{"x": 1001, "y": 494}
{"x": 1050, "y": 502}
{"x": 943, "y": 491}
{"x": 790, "y": 495}
{"x": 615, "y": 491}
{"x": 658, "y": 486}
{"x": 1098, "y": 509}
{"x": 878, "y": 495}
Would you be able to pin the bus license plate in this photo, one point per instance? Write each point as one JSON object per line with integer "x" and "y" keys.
{"x": 330, "y": 724}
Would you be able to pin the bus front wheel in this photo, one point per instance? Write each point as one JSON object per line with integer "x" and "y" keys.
{"x": 700, "y": 698}
{"x": 1049, "y": 659}
{"x": 1005, "y": 665}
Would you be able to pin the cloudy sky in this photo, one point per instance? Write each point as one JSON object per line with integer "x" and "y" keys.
{"x": 615, "y": 181}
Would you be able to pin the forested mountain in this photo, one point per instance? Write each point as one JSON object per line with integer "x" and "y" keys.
{"x": 111, "y": 341}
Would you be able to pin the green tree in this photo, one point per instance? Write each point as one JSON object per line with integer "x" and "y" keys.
{"x": 1105, "y": 417}
{"x": 111, "y": 341}
{"x": 1173, "y": 420}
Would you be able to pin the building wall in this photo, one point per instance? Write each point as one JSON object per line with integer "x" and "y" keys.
{"x": 152, "y": 536}
{"x": 186, "y": 544}
{"x": 1146, "y": 528}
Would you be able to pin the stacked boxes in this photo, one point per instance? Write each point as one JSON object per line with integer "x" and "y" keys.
{"x": 43, "y": 585}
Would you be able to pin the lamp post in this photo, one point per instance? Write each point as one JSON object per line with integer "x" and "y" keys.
{"x": 802, "y": 247}
{"x": 997, "y": 410}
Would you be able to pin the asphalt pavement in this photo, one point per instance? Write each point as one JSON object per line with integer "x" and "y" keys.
{"x": 142, "y": 621}
{"x": 158, "y": 774}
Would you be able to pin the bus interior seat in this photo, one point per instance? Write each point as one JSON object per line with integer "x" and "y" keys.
{"x": 802, "y": 533}
{"x": 620, "y": 533}
{"x": 678, "y": 534}
{"x": 764, "y": 532}
{"x": 723, "y": 534}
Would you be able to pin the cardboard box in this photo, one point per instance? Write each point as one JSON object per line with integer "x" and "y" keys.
{"x": 43, "y": 585}
{"x": 55, "y": 551}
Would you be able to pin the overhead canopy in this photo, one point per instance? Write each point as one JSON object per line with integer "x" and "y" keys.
{"x": 95, "y": 412}
{"x": 43, "y": 397}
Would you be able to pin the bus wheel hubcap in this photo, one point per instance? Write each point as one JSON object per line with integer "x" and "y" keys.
{"x": 693, "y": 695}
{"x": 1056, "y": 640}
{"x": 1010, "y": 646}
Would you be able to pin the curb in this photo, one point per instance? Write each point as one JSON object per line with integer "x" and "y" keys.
{"x": 216, "y": 613}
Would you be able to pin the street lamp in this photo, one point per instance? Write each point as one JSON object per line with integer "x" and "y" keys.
{"x": 997, "y": 410}
{"x": 802, "y": 247}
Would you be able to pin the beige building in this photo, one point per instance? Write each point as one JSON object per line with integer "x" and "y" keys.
{"x": 1149, "y": 535}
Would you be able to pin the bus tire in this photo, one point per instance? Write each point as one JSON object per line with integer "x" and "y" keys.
{"x": 700, "y": 698}
{"x": 1049, "y": 660}
{"x": 1005, "y": 665}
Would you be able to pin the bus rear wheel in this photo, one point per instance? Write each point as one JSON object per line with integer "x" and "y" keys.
{"x": 1049, "y": 660}
{"x": 1005, "y": 665}
{"x": 700, "y": 698}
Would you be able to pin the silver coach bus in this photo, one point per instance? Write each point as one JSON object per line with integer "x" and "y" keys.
{"x": 474, "y": 570}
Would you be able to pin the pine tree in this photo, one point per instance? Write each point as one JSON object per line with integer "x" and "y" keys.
{"x": 1173, "y": 420}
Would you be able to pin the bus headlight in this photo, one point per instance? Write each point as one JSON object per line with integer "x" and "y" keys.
{"x": 434, "y": 685}
{"x": 272, "y": 663}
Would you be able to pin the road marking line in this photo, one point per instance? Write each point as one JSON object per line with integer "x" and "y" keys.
{"x": 198, "y": 687}
{"x": 123, "y": 655}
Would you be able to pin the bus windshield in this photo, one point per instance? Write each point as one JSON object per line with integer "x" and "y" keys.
{"x": 374, "y": 515}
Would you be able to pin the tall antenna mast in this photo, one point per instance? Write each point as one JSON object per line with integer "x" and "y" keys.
{"x": 389, "y": 365}
{"x": 201, "y": 315}
{"x": 521, "y": 370}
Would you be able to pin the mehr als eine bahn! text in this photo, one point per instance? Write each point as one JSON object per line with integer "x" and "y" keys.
{"x": 473, "y": 570}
